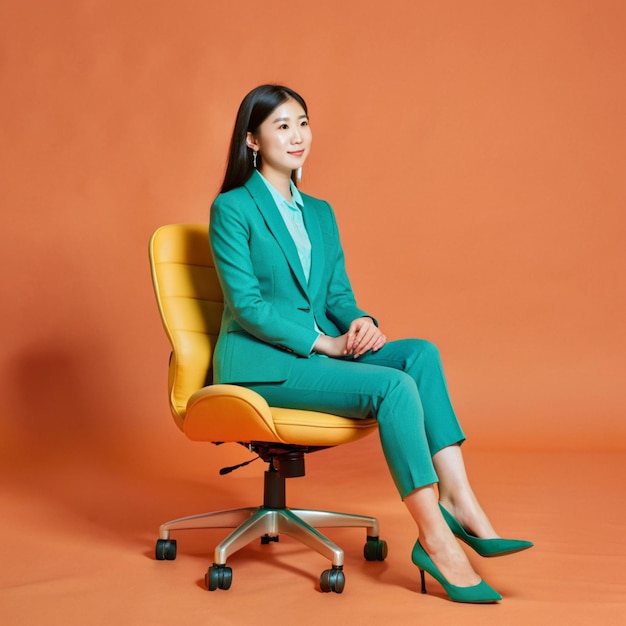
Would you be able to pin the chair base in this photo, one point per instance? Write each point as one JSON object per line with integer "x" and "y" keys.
{"x": 253, "y": 523}
{"x": 272, "y": 519}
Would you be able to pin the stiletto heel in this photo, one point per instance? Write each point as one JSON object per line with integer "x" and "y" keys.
{"x": 423, "y": 580}
{"x": 481, "y": 593}
{"x": 485, "y": 547}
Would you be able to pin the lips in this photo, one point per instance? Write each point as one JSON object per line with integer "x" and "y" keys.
{"x": 297, "y": 153}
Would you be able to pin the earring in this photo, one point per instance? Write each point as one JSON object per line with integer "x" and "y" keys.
{"x": 254, "y": 159}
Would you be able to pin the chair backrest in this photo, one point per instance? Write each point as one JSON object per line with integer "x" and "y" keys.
{"x": 191, "y": 302}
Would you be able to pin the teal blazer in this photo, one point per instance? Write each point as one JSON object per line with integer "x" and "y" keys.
{"x": 270, "y": 310}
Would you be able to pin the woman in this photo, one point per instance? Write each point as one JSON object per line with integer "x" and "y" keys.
{"x": 292, "y": 332}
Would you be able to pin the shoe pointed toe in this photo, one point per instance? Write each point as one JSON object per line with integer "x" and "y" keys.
{"x": 501, "y": 547}
{"x": 482, "y": 593}
{"x": 485, "y": 547}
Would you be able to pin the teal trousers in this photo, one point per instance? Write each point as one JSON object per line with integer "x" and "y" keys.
{"x": 402, "y": 385}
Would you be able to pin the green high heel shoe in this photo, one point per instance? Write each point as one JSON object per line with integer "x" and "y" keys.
{"x": 485, "y": 547}
{"x": 481, "y": 593}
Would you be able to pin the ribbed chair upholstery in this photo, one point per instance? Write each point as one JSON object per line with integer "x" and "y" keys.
{"x": 190, "y": 301}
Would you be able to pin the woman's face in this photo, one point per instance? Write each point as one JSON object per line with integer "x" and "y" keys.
{"x": 283, "y": 140}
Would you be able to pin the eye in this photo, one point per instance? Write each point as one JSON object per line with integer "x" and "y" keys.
{"x": 304, "y": 123}
{"x": 283, "y": 127}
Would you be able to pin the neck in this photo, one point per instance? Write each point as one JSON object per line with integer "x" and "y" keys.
{"x": 280, "y": 181}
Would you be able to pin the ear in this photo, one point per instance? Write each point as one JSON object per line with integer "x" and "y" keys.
{"x": 251, "y": 142}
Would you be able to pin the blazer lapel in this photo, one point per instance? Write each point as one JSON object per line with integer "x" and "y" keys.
{"x": 312, "y": 224}
{"x": 274, "y": 220}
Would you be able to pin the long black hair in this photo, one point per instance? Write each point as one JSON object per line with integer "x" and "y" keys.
{"x": 254, "y": 109}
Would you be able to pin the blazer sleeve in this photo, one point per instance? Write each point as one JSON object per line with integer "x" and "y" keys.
{"x": 230, "y": 233}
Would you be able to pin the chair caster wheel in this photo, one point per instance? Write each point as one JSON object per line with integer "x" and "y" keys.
{"x": 332, "y": 580}
{"x": 218, "y": 577}
{"x": 375, "y": 549}
{"x": 165, "y": 549}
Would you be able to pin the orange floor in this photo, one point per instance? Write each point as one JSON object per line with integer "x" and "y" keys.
{"x": 79, "y": 534}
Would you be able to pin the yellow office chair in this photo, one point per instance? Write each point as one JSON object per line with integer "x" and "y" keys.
{"x": 190, "y": 301}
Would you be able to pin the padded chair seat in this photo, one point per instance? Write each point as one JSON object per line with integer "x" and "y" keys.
{"x": 229, "y": 413}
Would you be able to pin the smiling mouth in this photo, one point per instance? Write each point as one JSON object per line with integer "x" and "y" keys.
{"x": 297, "y": 153}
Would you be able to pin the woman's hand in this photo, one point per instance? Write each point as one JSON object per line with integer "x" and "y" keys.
{"x": 331, "y": 346}
{"x": 363, "y": 335}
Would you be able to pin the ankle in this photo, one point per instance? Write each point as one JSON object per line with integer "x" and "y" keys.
{"x": 471, "y": 516}
{"x": 450, "y": 559}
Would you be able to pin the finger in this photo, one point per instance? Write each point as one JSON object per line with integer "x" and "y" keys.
{"x": 350, "y": 339}
{"x": 361, "y": 330}
{"x": 367, "y": 344}
{"x": 380, "y": 342}
{"x": 363, "y": 341}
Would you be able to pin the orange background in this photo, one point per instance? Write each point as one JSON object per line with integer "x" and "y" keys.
{"x": 473, "y": 152}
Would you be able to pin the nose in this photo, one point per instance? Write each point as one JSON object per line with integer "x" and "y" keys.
{"x": 296, "y": 137}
